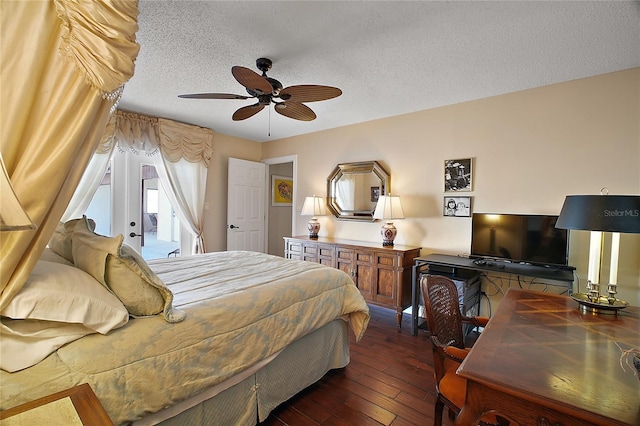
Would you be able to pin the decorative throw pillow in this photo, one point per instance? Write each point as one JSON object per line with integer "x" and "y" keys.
{"x": 60, "y": 241}
{"x": 90, "y": 250}
{"x": 140, "y": 290}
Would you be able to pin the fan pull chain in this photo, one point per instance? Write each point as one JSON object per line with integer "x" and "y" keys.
{"x": 270, "y": 121}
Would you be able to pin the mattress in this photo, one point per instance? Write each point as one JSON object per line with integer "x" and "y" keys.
{"x": 241, "y": 307}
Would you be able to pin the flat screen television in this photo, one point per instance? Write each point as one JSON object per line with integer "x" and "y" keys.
{"x": 521, "y": 238}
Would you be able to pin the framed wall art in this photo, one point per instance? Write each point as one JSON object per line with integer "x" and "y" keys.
{"x": 457, "y": 206}
{"x": 375, "y": 194}
{"x": 281, "y": 191}
{"x": 458, "y": 175}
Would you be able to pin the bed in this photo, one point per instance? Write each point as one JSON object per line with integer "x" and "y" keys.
{"x": 238, "y": 334}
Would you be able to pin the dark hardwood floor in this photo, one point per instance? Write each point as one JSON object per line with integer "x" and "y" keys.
{"x": 389, "y": 381}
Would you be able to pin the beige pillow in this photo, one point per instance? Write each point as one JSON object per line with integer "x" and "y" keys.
{"x": 62, "y": 293}
{"x": 140, "y": 290}
{"x": 51, "y": 256}
{"x": 90, "y": 250}
{"x": 60, "y": 242}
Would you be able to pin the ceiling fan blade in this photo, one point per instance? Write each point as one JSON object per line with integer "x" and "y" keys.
{"x": 247, "y": 111}
{"x": 309, "y": 93}
{"x": 251, "y": 80}
{"x": 296, "y": 111}
{"x": 213, "y": 96}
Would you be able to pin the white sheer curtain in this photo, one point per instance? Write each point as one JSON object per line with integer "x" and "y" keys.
{"x": 92, "y": 176}
{"x": 346, "y": 192}
{"x": 186, "y": 154}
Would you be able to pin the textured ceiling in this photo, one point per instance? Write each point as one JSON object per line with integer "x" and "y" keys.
{"x": 388, "y": 57}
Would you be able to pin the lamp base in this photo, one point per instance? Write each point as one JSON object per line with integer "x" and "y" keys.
{"x": 314, "y": 227}
{"x": 388, "y": 232}
{"x": 601, "y": 305}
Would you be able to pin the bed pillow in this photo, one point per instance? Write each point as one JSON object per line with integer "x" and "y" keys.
{"x": 60, "y": 242}
{"x": 51, "y": 256}
{"x": 62, "y": 293}
{"x": 141, "y": 291}
{"x": 27, "y": 342}
{"x": 57, "y": 305}
{"x": 90, "y": 250}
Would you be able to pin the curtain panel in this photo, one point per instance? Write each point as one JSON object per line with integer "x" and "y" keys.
{"x": 62, "y": 70}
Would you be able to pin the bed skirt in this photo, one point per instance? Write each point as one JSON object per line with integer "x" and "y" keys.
{"x": 248, "y": 398}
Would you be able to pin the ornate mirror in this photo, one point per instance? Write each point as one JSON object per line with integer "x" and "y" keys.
{"x": 353, "y": 189}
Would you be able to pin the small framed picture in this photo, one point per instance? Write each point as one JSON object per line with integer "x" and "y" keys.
{"x": 281, "y": 191}
{"x": 458, "y": 175}
{"x": 375, "y": 194}
{"x": 457, "y": 206}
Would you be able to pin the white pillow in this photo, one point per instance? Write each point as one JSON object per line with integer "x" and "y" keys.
{"x": 62, "y": 293}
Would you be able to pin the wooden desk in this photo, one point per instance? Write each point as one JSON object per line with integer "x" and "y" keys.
{"x": 541, "y": 361}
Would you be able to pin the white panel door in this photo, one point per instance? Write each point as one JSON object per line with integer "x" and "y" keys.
{"x": 246, "y": 205}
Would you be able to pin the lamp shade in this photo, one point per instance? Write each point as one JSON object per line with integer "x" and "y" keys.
{"x": 389, "y": 207}
{"x": 12, "y": 215}
{"x": 608, "y": 213}
{"x": 314, "y": 206}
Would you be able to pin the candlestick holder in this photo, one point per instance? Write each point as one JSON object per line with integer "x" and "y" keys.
{"x": 593, "y": 302}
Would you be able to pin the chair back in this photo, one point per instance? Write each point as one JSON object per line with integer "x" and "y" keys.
{"x": 442, "y": 309}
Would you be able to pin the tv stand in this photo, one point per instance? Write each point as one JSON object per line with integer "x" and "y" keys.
{"x": 458, "y": 265}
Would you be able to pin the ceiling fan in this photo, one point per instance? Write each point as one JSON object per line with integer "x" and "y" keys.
{"x": 287, "y": 101}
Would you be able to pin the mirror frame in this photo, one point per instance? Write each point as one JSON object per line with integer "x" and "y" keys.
{"x": 352, "y": 168}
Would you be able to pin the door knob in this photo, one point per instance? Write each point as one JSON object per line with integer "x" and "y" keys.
{"x": 233, "y": 227}
{"x": 133, "y": 234}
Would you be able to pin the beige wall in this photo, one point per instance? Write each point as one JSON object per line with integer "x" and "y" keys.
{"x": 530, "y": 150}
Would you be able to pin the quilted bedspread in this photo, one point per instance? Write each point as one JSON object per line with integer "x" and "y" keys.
{"x": 241, "y": 308}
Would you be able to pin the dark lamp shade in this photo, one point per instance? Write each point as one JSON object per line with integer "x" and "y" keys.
{"x": 608, "y": 213}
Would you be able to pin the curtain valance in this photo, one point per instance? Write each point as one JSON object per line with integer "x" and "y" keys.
{"x": 179, "y": 140}
{"x": 139, "y": 133}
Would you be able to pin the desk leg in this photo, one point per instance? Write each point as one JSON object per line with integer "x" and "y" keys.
{"x": 472, "y": 410}
{"x": 414, "y": 301}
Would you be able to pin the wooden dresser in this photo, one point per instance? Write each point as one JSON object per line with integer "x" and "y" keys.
{"x": 382, "y": 274}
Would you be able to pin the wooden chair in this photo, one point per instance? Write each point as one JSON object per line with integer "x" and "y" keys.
{"x": 444, "y": 322}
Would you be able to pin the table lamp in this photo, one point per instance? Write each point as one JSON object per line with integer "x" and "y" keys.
{"x": 601, "y": 213}
{"x": 313, "y": 206}
{"x": 12, "y": 215}
{"x": 388, "y": 208}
